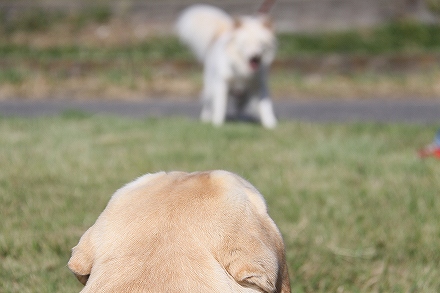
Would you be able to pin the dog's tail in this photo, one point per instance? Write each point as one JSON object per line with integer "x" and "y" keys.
{"x": 199, "y": 25}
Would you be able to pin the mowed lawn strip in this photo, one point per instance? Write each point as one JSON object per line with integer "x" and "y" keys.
{"x": 69, "y": 60}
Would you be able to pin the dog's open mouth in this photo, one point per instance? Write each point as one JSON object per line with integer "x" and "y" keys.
{"x": 255, "y": 62}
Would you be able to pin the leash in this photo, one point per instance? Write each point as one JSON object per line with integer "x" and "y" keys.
{"x": 266, "y": 6}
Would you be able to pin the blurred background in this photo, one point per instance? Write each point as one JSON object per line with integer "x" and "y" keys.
{"x": 126, "y": 49}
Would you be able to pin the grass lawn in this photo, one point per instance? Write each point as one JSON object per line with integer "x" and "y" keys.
{"x": 359, "y": 211}
{"x": 66, "y": 58}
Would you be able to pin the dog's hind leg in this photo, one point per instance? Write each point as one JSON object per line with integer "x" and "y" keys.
{"x": 219, "y": 103}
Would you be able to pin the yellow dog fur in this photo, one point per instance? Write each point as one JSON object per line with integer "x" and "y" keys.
{"x": 183, "y": 232}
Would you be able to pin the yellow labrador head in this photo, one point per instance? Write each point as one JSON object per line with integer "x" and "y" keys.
{"x": 183, "y": 232}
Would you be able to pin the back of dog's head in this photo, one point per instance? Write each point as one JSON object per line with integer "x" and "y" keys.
{"x": 183, "y": 232}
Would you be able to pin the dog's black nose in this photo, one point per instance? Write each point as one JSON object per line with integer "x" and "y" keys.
{"x": 255, "y": 61}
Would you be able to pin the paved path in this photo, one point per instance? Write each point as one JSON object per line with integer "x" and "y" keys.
{"x": 409, "y": 111}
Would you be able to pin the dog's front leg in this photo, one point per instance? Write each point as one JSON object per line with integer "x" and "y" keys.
{"x": 265, "y": 106}
{"x": 219, "y": 103}
{"x": 266, "y": 113}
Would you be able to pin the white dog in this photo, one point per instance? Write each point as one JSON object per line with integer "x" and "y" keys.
{"x": 183, "y": 232}
{"x": 236, "y": 55}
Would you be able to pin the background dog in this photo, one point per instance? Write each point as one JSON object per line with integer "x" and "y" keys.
{"x": 236, "y": 54}
{"x": 183, "y": 232}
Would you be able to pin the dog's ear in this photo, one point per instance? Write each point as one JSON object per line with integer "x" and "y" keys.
{"x": 256, "y": 259}
{"x": 254, "y": 267}
{"x": 267, "y": 22}
{"x": 81, "y": 261}
{"x": 237, "y": 22}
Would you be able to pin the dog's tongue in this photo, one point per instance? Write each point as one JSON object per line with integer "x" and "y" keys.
{"x": 254, "y": 62}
